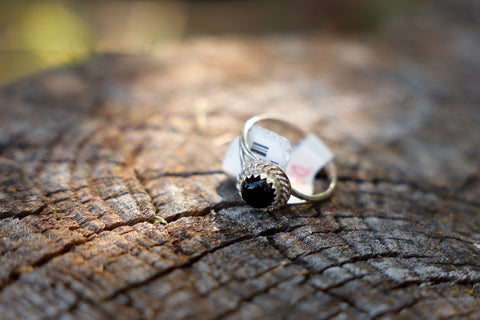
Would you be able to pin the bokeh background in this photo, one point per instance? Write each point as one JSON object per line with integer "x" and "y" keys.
{"x": 35, "y": 35}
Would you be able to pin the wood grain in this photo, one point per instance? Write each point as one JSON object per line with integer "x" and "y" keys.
{"x": 93, "y": 157}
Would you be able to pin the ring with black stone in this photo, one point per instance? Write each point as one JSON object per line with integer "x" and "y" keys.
{"x": 264, "y": 185}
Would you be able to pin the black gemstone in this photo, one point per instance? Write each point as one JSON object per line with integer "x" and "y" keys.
{"x": 257, "y": 192}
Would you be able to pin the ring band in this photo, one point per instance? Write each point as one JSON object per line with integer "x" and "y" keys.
{"x": 264, "y": 185}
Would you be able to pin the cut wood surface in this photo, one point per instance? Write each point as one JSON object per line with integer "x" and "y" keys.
{"x": 94, "y": 158}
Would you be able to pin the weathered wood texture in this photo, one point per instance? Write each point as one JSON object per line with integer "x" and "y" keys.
{"x": 89, "y": 156}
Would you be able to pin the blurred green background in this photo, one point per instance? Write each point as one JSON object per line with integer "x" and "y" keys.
{"x": 35, "y": 35}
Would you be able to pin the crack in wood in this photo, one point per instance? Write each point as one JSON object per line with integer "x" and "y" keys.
{"x": 250, "y": 298}
{"x": 25, "y": 214}
{"x": 15, "y": 274}
{"x": 396, "y": 310}
{"x": 183, "y": 265}
{"x": 205, "y": 210}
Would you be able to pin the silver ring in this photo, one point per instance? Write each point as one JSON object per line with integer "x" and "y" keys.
{"x": 264, "y": 185}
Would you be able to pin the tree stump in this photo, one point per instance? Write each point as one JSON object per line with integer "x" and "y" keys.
{"x": 113, "y": 203}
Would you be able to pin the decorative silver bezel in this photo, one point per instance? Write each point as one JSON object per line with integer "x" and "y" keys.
{"x": 274, "y": 175}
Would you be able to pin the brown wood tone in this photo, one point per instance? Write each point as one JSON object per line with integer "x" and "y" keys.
{"x": 93, "y": 158}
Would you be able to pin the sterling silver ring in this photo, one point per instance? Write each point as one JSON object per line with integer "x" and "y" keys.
{"x": 263, "y": 184}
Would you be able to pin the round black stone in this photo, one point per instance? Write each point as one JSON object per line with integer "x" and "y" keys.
{"x": 257, "y": 192}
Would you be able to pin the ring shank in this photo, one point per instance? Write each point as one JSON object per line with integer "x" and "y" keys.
{"x": 247, "y": 155}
